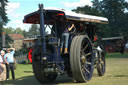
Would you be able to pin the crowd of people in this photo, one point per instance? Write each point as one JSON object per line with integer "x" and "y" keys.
{"x": 7, "y": 64}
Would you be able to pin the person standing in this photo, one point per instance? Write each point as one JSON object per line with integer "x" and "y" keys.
{"x": 126, "y": 46}
{"x": 9, "y": 59}
{"x": 2, "y": 66}
{"x": 65, "y": 37}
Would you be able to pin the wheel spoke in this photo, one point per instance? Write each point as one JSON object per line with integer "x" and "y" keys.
{"x": 82, "y": 43}
{"x": 89, "y": 63}
{"x": 87, "y": 54}
{"x": 85, "y": 47}
{"x": 87, "y": 70}
{"x": 102, "y": 62}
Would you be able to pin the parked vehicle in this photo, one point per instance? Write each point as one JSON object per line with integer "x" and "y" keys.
{"x": 114, "y": 44}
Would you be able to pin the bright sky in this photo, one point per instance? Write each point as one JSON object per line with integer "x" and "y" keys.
{"x": 16, "y": 9}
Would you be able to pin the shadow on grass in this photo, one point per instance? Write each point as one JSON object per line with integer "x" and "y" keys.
{"x": 30, "y": 80}
{"x": 118, "y": 76}
{"x": 28, "y": 71}
{"x": 121, "y": 76}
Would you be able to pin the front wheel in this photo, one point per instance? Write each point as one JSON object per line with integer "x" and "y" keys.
{"x": 81, "y": 58}
{"x": 39, "y": 73}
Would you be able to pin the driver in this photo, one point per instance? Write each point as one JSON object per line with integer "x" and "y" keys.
{"x": 65, "y": 37}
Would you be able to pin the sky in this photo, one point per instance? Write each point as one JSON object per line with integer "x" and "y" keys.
{"x": 17, "y": 9}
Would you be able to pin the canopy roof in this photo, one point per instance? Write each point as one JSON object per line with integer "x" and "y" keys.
{"x": 34, "y": 17}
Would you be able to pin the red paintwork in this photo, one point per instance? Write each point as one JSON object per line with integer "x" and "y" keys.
{"x": 60, "y": 14}
{"x": 33, "y": 18}
{"x": 30, "y": 55}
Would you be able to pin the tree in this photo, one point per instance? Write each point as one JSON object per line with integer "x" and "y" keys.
{"x": 3, "y": 14}
{"x": 11, "y": 30}
{"x": 3, "y": 21}
{"x": 25, "y": 33}
{"x": 34, "y": 30}
{"x": 96, "y": 4}
{"x": 8, "y": 30}
{"x": 114, "y": 10}
{"x": 18, "y": 31}
{"x": 87, "y": 10}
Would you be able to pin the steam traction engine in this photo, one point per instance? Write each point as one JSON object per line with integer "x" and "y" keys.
{"x": 82, "y": 56}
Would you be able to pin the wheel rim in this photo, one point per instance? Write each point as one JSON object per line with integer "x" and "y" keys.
{"x": 101, "y": 67}
{"x": 81, "y": 58}
{"x": 86, "y": 59}
{"x": 102, "y": 63}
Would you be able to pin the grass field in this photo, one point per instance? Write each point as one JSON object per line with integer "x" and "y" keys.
{"x": 116, "y": 74}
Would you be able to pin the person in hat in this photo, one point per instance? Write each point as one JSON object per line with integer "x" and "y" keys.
{"x": 9, "y": 59}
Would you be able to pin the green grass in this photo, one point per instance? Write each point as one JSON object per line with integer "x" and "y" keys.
{"x": 117, "y": 55}
{"x": 116, "y": 74}
{"x": 24, "y": 76}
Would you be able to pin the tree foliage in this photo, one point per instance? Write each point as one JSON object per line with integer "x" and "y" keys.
{"x": 3, "y": 21}
{"x": 87, "y": 10}
{"x": 96, "y": 4}
{"x": 34, "y": 30}
{"x": 114, "y": 10}
{"x": 11, "y": 30}
{"x": 3, "y": 14}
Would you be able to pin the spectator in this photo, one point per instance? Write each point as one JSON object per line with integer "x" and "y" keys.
{"x": 9, "y": 59}
{"x": 122, "y": 47}
{"x": 2, "y": 66}
{"x": 126, "y": 46}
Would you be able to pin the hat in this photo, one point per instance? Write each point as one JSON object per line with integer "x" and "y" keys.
{"x": 2, "y": 52}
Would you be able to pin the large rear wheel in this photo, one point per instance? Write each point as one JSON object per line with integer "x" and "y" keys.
{"x": 81, "y": 58}
{"x": 39, "y": 73}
